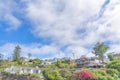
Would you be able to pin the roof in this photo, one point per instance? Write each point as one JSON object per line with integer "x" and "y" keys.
{"x": 30, "y": 68}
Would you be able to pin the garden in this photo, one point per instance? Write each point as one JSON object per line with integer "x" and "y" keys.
{"x": 110, "y": 72}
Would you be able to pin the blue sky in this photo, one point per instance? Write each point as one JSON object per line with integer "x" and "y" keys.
{"x": 58, "y": 28}
{"x": 21, "y": 36}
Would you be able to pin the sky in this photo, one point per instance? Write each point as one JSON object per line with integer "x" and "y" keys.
{"x": 58, "y": 28}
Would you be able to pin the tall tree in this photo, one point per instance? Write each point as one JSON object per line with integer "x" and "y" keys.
{"x": 16, "y": 55}
{"x": 1, "y": 56}
{"x": 29, "y": 55}
{"x": 110, "y": 56}
{"x": 100, "y": 49}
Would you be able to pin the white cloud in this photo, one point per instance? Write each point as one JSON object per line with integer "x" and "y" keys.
{"x": 7, "y": 12}
{"x": 76, "y": 25}
{"x": 77, "y": 51}
{"x": 61, "y": 19}
{"x": 108, "y": 25}
{"x": 7, "y": 49}
{"x": 13, "y": 22}
{"x": 64, "y": 21}
{"x": 37, "y": 50}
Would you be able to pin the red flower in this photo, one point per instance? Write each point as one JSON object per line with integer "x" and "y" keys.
{"x": 83, "y": 75}
{"x": 86, "y": 74}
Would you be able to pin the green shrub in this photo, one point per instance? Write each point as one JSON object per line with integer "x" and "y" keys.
{"x": 114, "y": 65}
{"x": 65, "y": 74}
{"x": 34, "y": 75}
{"x": 100, "y": 72}
{"x": 52, "y": 75}
{"x": 112, "y": 72}
{"x": 102, "y": 78}
{"x": 108, "y": 74}
{"x": 111, "y": 78}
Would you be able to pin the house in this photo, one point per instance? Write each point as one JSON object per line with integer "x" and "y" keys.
{"x": 29, "y": 70}
{"x": 68, "y": 59}
{"x": 116, "y": 56}
{"x": 25, "y": 59}
{"x": 11, "y": 70}
{"x": 55, "y": 59}
{"x": 46, "y": 61}
{"x": 23, "y": 70}
{"x": 91, "y": 62}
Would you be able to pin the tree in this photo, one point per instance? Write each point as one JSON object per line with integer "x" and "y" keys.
{"x": 100, "y": 49}
{"x": 21, "y": 61}
{"x": 29, "y": 55}
{"x": 16, "y": 55}
{"x": 72, "y": 63}
{"x": 62, "y": 64}
{"x": 110, "y": 56}
{"x": 1, "y": 56}
{"x": 37, "y": 62}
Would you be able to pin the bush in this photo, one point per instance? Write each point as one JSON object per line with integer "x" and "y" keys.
{"x": 100, "y": 72}
{"x": 102, "y": 78}
{"x": 34, "y": 75}
{"x": 52, "y": 75}
{"x": 108, "y": 74}
{"x": 83, "y": 75}
{"x": 65, "y": 74}
{"x": 114, "y": 65}
{"x": 112, "y": 72}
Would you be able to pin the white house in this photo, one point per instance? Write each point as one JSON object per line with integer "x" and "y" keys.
{"x": 23, "y": 70}
{"x": 46, "y": 61}
{"x": 29, "y": 70}
{"x": 11, "y": 70}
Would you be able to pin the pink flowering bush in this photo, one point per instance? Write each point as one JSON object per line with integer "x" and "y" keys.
{"x": 83, "y": 75}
